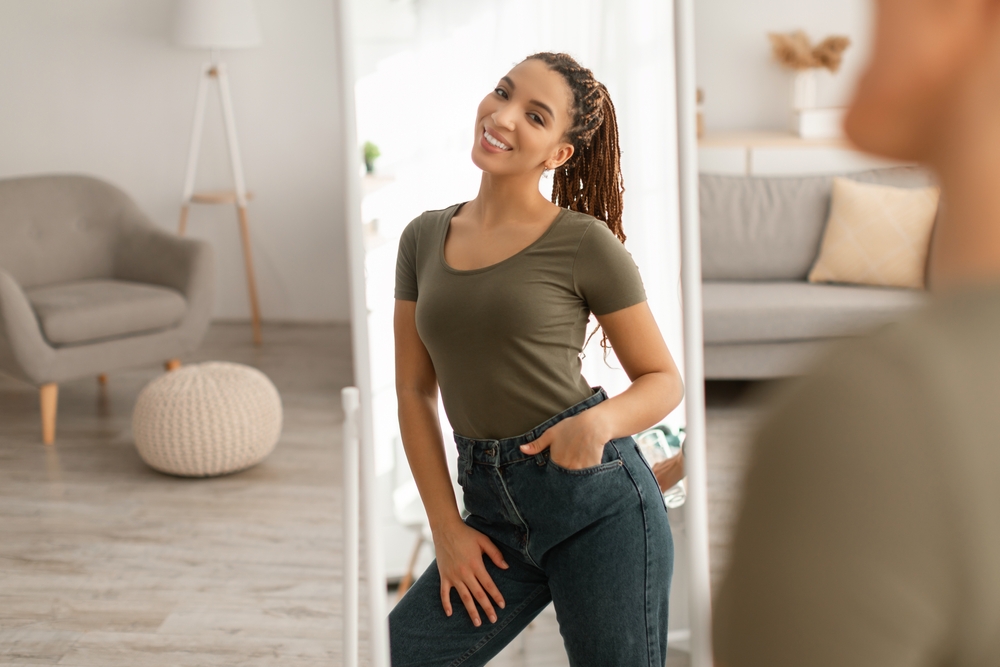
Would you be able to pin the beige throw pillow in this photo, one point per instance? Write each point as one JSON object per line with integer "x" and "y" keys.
{"x": 876, "y": 235}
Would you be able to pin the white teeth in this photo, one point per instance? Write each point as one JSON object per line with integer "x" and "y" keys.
{"x": 494, "y": 142}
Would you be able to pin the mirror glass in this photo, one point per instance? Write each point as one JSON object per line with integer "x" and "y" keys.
{"x": 422, "y": 68}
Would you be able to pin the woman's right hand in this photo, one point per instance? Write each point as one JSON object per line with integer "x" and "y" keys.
{"x": 459, "y": 551}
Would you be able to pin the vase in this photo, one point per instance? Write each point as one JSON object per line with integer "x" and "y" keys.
{"x": 804, "y": 89}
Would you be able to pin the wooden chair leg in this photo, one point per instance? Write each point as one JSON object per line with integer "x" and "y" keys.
{"x": 172, "y": 365}
{"x": 182, "y": 227}
{"x": 48, "y": 395}
{"x": 251, "y": 281}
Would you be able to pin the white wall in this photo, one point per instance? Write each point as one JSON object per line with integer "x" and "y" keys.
{"x": 98, "y": 87}
{"x": 744, "y": 88}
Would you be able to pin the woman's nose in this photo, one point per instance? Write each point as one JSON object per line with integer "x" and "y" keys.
{"x": 503, "y": 118}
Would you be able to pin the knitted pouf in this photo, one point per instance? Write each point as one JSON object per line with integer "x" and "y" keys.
{"x": 207, "y": 419}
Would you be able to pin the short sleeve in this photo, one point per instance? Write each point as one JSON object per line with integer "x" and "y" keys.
{"x": 840, "y": 555}
{"x": 406, "y": 263}
{"x": 604, "y": 273}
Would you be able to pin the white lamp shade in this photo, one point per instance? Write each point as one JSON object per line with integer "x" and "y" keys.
{"x": 216, "y": 24}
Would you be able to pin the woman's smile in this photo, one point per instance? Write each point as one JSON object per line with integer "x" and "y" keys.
{"x": 492, "y": 143}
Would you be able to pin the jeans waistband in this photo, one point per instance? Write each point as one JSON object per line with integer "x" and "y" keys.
{"x": 499, "y": 451}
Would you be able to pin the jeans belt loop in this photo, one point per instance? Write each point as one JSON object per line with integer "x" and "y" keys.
{"x": 540, "y": 456}
{"x": 468, "y": 463}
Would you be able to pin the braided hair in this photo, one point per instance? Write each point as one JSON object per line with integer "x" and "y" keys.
{"x": 591, "y": 180}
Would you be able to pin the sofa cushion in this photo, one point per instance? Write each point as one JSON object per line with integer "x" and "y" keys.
{"x": 88, "y": 310}
{"x": 876, "y": 235}
{"x": 769, "y": 227}
{"x": 766, "y": 311}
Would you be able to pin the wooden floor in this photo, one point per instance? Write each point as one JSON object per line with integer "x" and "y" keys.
{"x": 104, "y": 562}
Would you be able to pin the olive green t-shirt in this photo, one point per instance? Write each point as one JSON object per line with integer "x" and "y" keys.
{"x": 869, "y": 533}
{"x": 505, "y": 339}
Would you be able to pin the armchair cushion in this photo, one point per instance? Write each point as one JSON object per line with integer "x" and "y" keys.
{"x": 88, "y": 310}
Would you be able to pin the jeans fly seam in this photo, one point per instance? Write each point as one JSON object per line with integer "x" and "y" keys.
{"x": 507, "y": 620}
{"x": 527, "y": 531}
{"x": 645, "y": 569}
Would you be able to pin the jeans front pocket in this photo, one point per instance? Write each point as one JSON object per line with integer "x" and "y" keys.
{"x": 611, "y": 461}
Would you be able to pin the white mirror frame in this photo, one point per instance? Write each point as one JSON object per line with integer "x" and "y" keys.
{"x": 362, "y": 421}
{"x": 694, "y": 362}
{"x": 697, "y": 501}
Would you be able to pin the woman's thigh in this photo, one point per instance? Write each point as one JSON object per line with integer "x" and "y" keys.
{"x": 603, "y": 539}
{"x": 422, "y": 635}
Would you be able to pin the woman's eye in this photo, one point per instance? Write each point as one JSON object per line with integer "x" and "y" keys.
{"x": 501, "y": 92}
{"x": 535, "y": 117}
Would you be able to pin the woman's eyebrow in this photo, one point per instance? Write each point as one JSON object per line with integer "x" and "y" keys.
{"x": 535, "y": 102}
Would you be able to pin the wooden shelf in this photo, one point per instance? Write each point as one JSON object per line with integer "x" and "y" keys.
{"x": 217, "y": 197}
{"x": 766, "y": 139}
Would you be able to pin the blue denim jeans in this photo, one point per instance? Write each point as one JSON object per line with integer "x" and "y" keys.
{"x": 595, "y": 542}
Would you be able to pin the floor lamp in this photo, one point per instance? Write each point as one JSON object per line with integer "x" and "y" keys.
{"x": 214, "y": 25}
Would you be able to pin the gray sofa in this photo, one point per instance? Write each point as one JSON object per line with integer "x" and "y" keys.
{"x": 88, "y": 285}
{"x": 759, "y": 238}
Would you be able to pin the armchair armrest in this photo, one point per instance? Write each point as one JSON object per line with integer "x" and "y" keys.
{"x": 148, "y": 254}
{"x": 24, "y": 353}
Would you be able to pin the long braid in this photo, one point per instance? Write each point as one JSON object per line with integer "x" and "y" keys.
{"x": 591, "y": 180}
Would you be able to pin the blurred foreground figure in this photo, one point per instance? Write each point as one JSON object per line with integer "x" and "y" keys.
{"x": 870, "y": 529}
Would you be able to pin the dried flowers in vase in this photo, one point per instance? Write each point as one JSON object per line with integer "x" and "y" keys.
{"x": 793, "y": 50}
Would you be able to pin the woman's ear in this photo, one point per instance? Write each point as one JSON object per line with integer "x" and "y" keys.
{"x": 559, "y": 157}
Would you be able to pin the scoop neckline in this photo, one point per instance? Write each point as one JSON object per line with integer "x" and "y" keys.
{"x": 447, "y": 226}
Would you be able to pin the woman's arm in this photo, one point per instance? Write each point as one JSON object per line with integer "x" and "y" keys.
{"x": 420, "y": 429}
{"x": 656, "y": 389}
{"x": 459, "y": 548}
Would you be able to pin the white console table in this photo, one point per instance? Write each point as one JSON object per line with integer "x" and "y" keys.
{"x": 775, "y": 153}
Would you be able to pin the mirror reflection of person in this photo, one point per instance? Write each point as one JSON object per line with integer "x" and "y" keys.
{"x": 870, "y": 528}
{"x": 493, "y": 297}
{"x": 669, "y": 471}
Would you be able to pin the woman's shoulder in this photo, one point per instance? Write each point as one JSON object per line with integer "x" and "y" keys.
{"x": 580, "y": 218}
{"x": 432, "y": 216}
{"x": 578, "y": 225}
{"x": 591, "y": 231}
{"x": 428, "y": 218}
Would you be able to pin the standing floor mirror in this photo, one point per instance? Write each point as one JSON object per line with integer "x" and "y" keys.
{"x": 426, "y": 64}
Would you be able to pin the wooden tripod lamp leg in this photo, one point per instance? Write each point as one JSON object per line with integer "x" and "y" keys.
{"x": 182, "y": 227}
{"x": 251, "y": 282}
{"x": 48, "y": 395}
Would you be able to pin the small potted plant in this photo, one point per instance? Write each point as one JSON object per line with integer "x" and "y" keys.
{"x": 371, "y": 152}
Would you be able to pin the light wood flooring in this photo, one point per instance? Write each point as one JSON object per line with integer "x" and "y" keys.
{"x": 104, "y": 562}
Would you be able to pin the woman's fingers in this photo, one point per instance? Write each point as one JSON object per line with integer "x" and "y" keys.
{"x": 446, "y": 596}
{"x": 484, "y": 600}
{"x": 493, "y": 552}
{"x": 491, "y": 588}
{"x": 538, "y": 444}
{"x": 469, "y": 602}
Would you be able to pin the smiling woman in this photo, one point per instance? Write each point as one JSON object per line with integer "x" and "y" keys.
{"x": 493, "y": 297}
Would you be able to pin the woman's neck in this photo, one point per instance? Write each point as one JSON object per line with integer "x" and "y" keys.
{"x": 505, "y": 199}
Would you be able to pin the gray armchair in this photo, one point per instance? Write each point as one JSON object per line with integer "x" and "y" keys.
{"x": 88, "y": 284}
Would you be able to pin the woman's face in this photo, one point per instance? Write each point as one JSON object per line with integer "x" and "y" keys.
{"x": 521, "y": 125}
{"x": 905, "y": 99}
